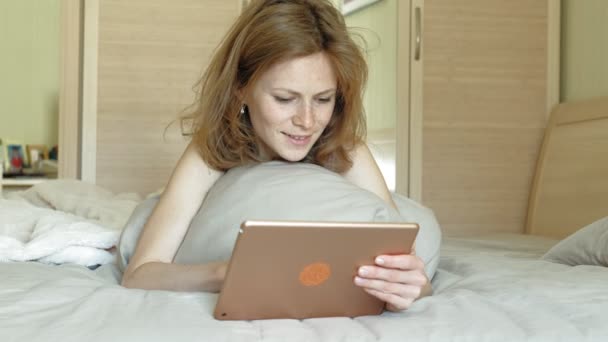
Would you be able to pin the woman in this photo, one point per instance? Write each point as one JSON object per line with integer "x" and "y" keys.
{"x": 285, "y": 84}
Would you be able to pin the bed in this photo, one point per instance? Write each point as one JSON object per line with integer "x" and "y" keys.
{"x": 550, "y": 284}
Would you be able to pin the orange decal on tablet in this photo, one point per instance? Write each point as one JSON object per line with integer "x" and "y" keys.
{"x": 315, "y": 274}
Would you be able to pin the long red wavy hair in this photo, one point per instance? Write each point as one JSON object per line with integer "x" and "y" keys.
{"x": 269, "y": 31}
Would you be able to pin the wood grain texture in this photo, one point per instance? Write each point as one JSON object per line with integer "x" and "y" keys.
{"x": 150, "y": 55}
{"x": 404, "y": 87}
{"x": 88, "y": 157}
{"x": 416, "y": 103}
{"x": 554, "y": 56}
{"x": 571, "y": 184}
{"x": 69, "y": 97}
{"x": 485, "y": 109}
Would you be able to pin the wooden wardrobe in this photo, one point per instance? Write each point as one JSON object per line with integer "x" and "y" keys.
{"x": 141, "y": 60}
{"x": 475, "y": 82}
{"x": 490, "y": 76}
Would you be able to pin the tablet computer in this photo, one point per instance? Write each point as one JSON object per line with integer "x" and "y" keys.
{"x": 297, "y": 270}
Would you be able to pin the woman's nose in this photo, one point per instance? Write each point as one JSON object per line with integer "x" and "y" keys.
{"x": 305, "y": 117}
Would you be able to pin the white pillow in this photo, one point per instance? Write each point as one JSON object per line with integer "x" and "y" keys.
{"x": 588, "y": 246}
{"x": 282, "y": 191}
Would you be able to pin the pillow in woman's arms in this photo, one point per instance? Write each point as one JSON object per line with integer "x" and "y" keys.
{"x": 588, "y": 246}
{"x": 274, "y": 191}
{"x": 280, "y": 191}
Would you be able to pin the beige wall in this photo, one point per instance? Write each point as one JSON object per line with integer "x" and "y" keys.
{"x": 29, "y": 65}
{"x": 584, "y": 55}
{"x": 377, "y": 24}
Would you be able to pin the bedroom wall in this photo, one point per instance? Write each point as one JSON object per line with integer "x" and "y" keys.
{"x": 154, "y": 52}
{"x": 584, "y": 70}
{"x": 377, "y": 23}
{"x": 29, "y": 65}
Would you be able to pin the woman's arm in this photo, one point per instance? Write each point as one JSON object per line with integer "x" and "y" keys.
{"x": 151, "y": 266}
{"x": 398, "y": 279}
{"x": 366, "y": 174}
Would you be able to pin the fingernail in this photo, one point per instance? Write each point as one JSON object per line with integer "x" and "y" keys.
{"x": 379, "y": 261}
{"x": 358, "y": 280}
{"x": 363, "y": 271}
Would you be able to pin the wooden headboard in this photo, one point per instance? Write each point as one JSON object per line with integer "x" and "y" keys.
{"x": 570, "y": 188}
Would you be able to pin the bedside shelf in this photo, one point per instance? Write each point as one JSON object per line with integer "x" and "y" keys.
{"x": 23, "y": 181}
{"x": 13, "y": 184}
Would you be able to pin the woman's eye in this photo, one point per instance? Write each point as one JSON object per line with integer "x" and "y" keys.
{"x": 324, "y": 99}
{"x": 282, "y": 99}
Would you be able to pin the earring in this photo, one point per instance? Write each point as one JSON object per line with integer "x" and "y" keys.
{"x": 243, "y": 109}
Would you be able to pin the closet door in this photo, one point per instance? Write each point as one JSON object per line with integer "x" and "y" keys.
{"x": 489, "y": 80}
{"x": 142, "y": 59}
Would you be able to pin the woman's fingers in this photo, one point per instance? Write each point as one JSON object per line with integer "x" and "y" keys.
{"x": 393, "y": 302}
{"x": 398, "y": 289}
{"x": 402, "y": 262}
{"x": 397, "y": 280}
{"x": 412, "y": 277}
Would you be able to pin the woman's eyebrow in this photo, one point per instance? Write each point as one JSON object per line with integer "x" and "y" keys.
{"x": 293, "y": 92}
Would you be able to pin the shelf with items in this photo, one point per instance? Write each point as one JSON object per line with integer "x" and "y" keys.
{"x": 46, "y": 170}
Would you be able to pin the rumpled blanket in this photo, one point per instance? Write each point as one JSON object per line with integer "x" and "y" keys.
{"x": 63, "y": 221}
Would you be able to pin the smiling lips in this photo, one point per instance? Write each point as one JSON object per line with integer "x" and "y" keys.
{"x": 298, "y": 139}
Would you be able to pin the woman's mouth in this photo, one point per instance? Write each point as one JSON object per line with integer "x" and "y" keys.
{"x": 299, "y": 140}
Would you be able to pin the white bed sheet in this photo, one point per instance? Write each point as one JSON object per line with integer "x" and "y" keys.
{"x": 491, "y": 288}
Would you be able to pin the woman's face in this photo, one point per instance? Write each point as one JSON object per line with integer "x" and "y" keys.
{"x": 291, "y": 104}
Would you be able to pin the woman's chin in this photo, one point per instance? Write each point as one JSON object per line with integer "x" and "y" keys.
{"x": 294, "y": 157}
{"x": 293, "y": 160}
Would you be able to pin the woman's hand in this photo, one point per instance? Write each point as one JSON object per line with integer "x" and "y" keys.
{"x": 397, "y": 280}
{"x": 219, "y": 269}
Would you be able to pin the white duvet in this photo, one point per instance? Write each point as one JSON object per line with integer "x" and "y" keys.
{"x": 486, "y": 289}
{"x": 63, "y": 222}
{"x": 490, "y": 288}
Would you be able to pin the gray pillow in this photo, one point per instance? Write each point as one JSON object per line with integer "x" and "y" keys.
{"x": 132, "y": 229}
{"x": 282, "y": 191}
{"x": 428, "y": 241}
{"x": 587, "y": 246}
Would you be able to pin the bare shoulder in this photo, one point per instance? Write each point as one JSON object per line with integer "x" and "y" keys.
{"x": 364, "y": 164}
{"x": 366, "y": 174}
{"x": 191, "y": 172}
{"x": 167, "y": 225}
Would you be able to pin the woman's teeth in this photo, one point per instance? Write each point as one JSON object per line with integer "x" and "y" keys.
{"x": 296, "y": 137}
